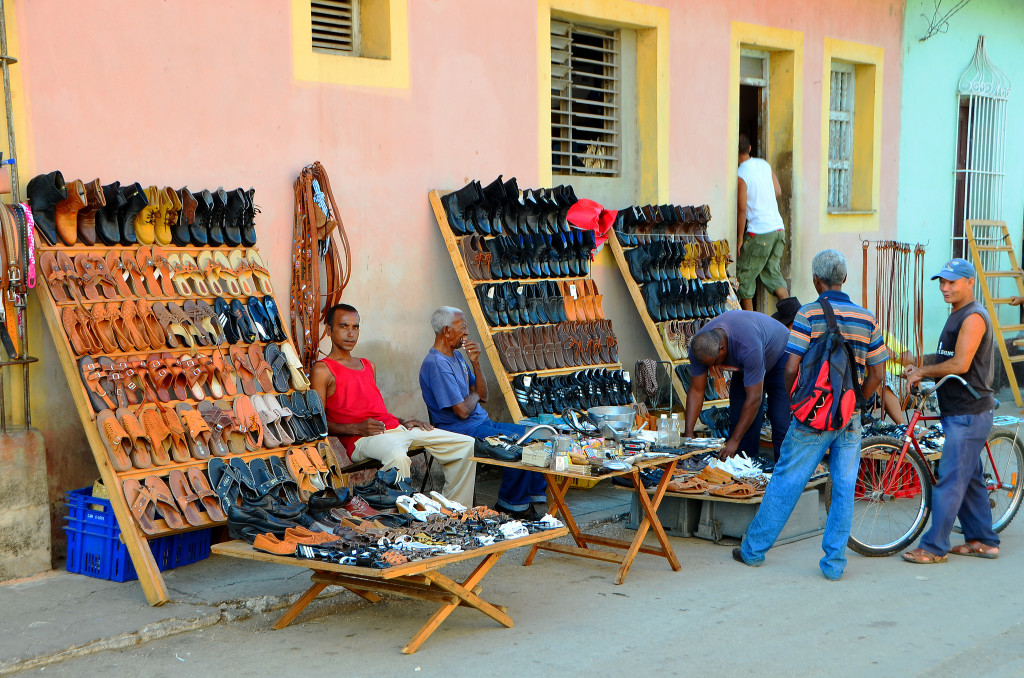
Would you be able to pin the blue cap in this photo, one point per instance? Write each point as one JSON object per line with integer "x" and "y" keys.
{"x": 956, "y": 269}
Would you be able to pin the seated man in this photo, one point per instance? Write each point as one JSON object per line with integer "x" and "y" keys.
{"x": 357, "y": 415}
{"x": 453, "y": 393}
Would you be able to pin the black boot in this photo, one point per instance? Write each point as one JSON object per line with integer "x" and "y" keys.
{"x": 107, "y": 230}
{"x": 456, "y": 205}
{"x": 182, "y": 227}
{"x": 234, "y": 215}
{"x": 199, "y": 230}
{"x": 135, "y": 200}
{"x": 215, "y": 232}
{"x": 44, "y": 192}
{"x": 249, "y": 220}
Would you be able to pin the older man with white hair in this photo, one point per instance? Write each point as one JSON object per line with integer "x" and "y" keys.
{"x": 453, "y": 390}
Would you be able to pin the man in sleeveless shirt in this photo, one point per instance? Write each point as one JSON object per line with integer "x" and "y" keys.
{"x": 760, "y": 233}
{"x": 965, "y": 349}
{"x": 453, "y": 390}
{"x": 356, "y": 413}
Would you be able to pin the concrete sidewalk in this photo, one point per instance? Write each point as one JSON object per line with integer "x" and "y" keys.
{"x": 56, "y": 616}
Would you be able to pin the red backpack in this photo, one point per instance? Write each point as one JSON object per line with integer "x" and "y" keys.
{"x": 827, "y": 390}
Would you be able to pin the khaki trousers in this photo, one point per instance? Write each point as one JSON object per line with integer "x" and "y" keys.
{"x": 453, "y": 450}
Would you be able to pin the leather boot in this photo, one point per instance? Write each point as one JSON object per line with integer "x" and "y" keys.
{"x": 234, "y": 215}
{"x": 456, "y": 205}
{"x": 199, "y": 230}
{"x": 215, "y": 232}
{"x": 107, "y": 230}
{"x": 180, "y": 229}
{"x": 135, "y": 200}
{"x": 94, "y": 200}
{"x": 44, "y": 192}
{"x": 67, "y": 212}
{"x": 145, "y": 220}
{"x": 249, "y": 219}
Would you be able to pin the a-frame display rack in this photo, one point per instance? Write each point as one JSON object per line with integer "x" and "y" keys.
{"x": 487, "y": 332}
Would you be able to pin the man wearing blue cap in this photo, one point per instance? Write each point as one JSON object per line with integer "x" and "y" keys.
{"x": 965, "y": 349}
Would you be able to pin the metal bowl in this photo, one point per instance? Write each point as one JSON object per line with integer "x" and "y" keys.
{"x": 619, "y": 419}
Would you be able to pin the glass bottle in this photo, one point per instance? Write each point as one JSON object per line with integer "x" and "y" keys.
{"x": 676, "y": 430}
{"x": 664, "y": 430}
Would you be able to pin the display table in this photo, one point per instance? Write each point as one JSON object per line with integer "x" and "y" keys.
{"x": 558, "y": 485}
{"x": 419, "y": 579}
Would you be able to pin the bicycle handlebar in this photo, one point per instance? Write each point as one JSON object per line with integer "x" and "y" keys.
{"x": 957, "y": 377}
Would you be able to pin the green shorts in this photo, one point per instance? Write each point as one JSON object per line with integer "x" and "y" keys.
{"x": 760, "y": 256}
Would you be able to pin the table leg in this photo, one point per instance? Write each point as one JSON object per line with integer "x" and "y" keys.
{"x": 558, "y": 486}
{"x": 650, "y": 520}
{"x": 465, "y": 592}
{"x": 299, "y": 605}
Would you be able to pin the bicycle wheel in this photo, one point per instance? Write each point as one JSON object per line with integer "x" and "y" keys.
{"x": 1005, "y": 495}
{"x": 892, "y": 500}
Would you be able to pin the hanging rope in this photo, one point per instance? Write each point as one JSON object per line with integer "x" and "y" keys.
{"x": 321, "y": 259}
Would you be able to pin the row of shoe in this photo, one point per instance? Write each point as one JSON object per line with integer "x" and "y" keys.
{"x": 682, "y": 299}
{"x": 676, "y": 335}
{"x": 148, "y": 273}
{"x": 130, "y": 326}
{"x": 165, "y": 377}
{"x": 577, "y": 390}
{"x": 523, "y": 256}
{"x": 717, "y": 387}
{"x": 499, "y": 208}
{"x": 634, "y": 224}
{"x": 155, "y": 436}
{"x": 667, "y": 260}
{"x": 567, "y": 344}
{"x": 549, "y": 301}
{"x": 89, "y": 213}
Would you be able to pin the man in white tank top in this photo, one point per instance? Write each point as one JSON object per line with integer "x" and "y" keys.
{"x": 760, "y": 233}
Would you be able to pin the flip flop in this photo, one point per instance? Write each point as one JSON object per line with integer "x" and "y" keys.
{"x": 261, "y": 369}
{"x": 196, "y": 429}
{"x": 300, "y": 381}
{"x": 243, "y": 270}
{"x": 165, "y": 503}
{"x": 132, "y": 273}
{"x": 975, "y": 549}
{"x": 195, "y": 275}
{"x": 288, "y": 485}
{"x": 921, "y": 557}
{"x": 261, "y": 276}
{"x": 243, "y": 368}
{"x": 227, "y": 274}
{"x": 209, "y": 499}
{"x": 178, "y": 277}
{"x": 141, "y": 504}
{"x": 211, "y": 272}
{"x": 148, "y": 267}
{"x": 55, "y": 278}
{"x": 277, "y": 361}
{"x": 188, "y": 501}
{"x": 225, "y": 483}
{"x": 115, "y": 440}
{"x": 245, "y": 476}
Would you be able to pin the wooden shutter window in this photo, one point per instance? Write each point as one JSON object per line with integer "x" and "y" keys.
{"x": 840, "y": 137}
{"x": 335, "y": 26}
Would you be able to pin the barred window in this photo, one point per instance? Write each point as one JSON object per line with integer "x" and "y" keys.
{"x": 840, "y": 137}
{"x": 335, "y": 26}
{"x": 585, "y": 100}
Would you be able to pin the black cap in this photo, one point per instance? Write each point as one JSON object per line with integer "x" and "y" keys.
{"x": 786, "y": 310}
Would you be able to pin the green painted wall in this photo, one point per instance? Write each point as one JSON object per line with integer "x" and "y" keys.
{"x": 931, "y": 71}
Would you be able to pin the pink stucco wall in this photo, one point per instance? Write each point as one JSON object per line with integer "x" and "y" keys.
{"x": 168, "y": 93}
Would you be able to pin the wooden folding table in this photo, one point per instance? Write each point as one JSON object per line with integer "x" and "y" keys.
{"x": 558, "y": 485}
{"x": 419, "y": 579}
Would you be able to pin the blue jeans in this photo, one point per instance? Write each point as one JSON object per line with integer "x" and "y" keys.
{"x": 518, "y": 489}
{"x": 778, "y": 408}
{"x": 802, "y": 450}
{"x": 960, "y": 492}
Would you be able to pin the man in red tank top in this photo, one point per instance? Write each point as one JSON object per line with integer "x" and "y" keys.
{"x": 357, "y": 415}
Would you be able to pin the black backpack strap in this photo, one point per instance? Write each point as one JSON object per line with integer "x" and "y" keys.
{"x": 830, "y": 318}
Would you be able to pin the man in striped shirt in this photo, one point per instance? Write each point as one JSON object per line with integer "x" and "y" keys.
{"x": 804, "y": 447}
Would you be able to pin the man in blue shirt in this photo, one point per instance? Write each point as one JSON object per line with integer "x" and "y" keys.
{"x": 453, "y": 390}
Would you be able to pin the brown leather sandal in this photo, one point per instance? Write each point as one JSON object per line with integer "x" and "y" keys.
{"x": 75, "y": 329}
{"x": 157, "y": 432}
{"x": 171, "y": 326}
{"x": 244, "y": 370}
{"x": 209, "y": 498}
{"x": 154, "y": 331}
{"x": 132, "y": 326}
{"x": 179, "y": 382}
{"x": 188, "y": 501}
{"x": 135, "y": 278}
{"x": 195, "y": 375}
{"x": 140, "y": 443}
{"x": 97, "y": 386}
{"x": 120, "y": 276}
{"x": 54, "y": 277}
{"x": 163, "y": 272}
{"x": 141, "y": 504}
{"x": 115, "y": 440}
{"x": 179, "y": 441}
{"x": 148, "y": 267}
{"x": 165, "y": 503}
{"x": 198, "y": 334}
{"x": 197, "y": 430}
{"x": 160, "y": 375}
{"x": 89, "y": 277}
{"x": 69, "y": 273}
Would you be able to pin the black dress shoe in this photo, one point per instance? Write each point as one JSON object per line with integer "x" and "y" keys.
{"x": 377, "y": 494}
{"x": 325, "y": 500}
{"x": 44, "y": 192}
{"x": 246, "y": 523}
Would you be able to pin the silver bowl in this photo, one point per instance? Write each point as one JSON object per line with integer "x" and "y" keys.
{"x": 617, "y": 418}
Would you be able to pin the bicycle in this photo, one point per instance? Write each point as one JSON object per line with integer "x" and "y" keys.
{"x": 894, "y": 483}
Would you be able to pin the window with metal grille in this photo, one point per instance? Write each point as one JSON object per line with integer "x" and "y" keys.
{"x": 585, "y": 99}
{"x": 840, "y": 137}
{"x": 335, "y": 26}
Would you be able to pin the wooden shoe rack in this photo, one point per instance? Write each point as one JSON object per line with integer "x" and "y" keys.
{"x": 131, "y": 534}
{"x": 654, "y": 329}
{"x": 487, "y": 332}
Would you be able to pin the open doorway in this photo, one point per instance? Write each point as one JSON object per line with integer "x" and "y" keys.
{"x": 754, "y": 69}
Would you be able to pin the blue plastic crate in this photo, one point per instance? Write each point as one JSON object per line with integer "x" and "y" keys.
{"x": 95, "y": 548}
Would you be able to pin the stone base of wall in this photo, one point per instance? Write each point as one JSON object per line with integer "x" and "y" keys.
{"x": 24, "y": 506}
